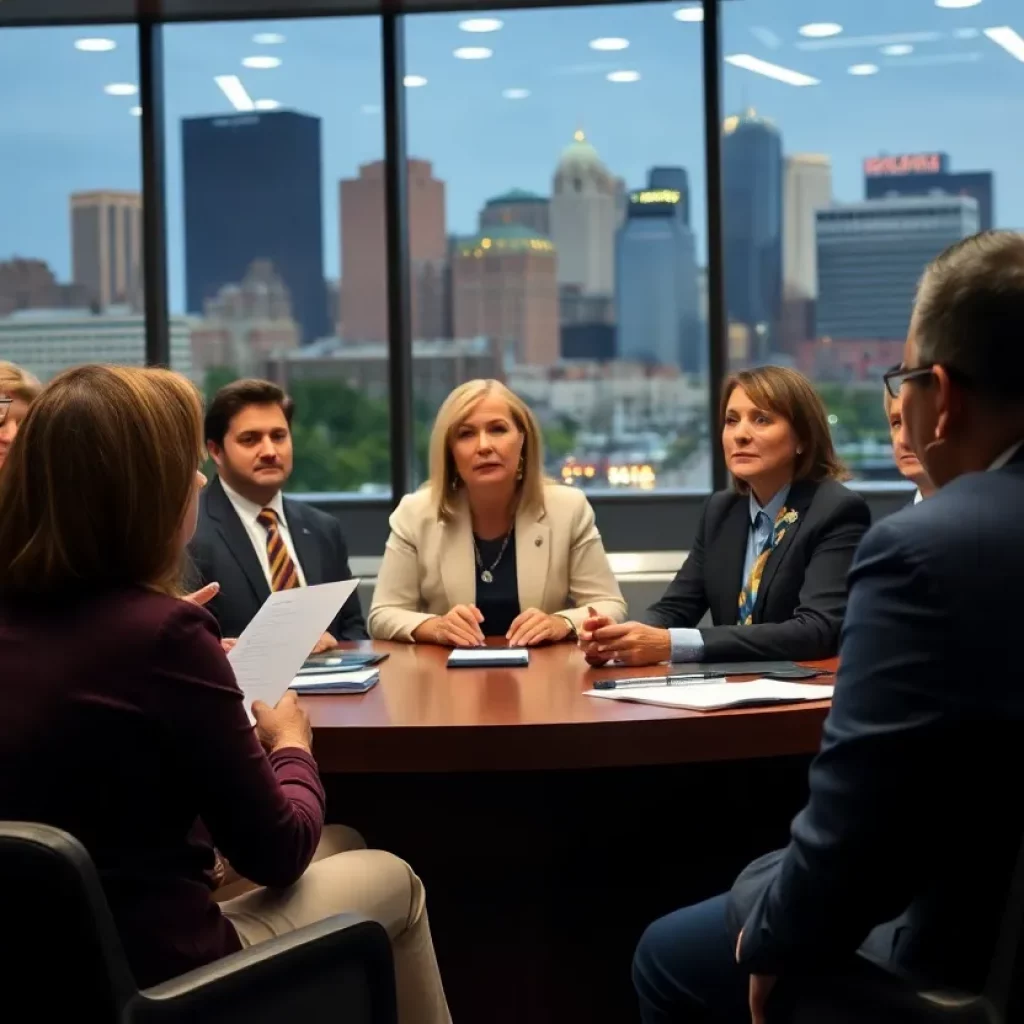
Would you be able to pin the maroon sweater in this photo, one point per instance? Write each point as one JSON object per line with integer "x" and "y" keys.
{"x": 122, "y": 723}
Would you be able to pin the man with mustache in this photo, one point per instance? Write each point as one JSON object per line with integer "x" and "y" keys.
{"x": 250, "y": 539}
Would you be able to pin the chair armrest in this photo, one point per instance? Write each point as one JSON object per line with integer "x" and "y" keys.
{"x": 869, "y": 993}
{"x": 337, "y": 969}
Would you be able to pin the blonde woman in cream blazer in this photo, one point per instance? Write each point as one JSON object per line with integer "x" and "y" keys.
{"x": 488, "y": 547}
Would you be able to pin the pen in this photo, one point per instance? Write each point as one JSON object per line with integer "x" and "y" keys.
{"x": 626, "y": 684}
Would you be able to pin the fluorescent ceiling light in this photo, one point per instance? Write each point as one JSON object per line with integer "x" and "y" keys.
{"x": 261, "y": 62}
{"x": 769, "y": 70}
{"x": 135, "y": 111}
{"x": 953, "y": 5}
{"x": 266, "y": 104}
{"x": 863, "y": 69}
{"x": 268, "y": 38}
{"x": 120, "y": 89}
{"x": 473, "y": 53}
{"x": 897, "y": 49}
{"x": 609, "y": 43}
{"x": 481, "y": 24}
{"x": 689, "y": 14}
{"x": 1008, "y": 39}
{"x": 515, "y": 94}
{"x": 820, "y": 29}
{"x": 856, "y": 42}
{"x": 623, "y": 76}
{"x": 231, "y": 86}
{"x": 95, "y": 45}
{"x": 414, "y": 81}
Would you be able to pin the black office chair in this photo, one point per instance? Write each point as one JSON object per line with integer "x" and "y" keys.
{"x": 61, "y": 958}
{"x": 871, "y": 994}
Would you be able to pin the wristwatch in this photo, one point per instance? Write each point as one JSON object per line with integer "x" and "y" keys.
{"x": 573, "y": 631}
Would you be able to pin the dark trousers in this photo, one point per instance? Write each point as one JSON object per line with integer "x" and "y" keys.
{"x": 685, "y": 970}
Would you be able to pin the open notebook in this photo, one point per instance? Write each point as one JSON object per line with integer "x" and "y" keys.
{"x": 717, "y": 696}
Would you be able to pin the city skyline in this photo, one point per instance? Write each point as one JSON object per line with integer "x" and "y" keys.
{"x": 70, "y": 136}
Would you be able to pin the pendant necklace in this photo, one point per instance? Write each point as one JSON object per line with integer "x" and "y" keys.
{"x": 487, "y": 575}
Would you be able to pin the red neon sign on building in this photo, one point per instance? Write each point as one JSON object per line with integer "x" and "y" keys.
{"x": 905, "y": 163}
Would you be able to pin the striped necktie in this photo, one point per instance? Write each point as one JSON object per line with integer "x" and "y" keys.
{"x": 283, "y": 574}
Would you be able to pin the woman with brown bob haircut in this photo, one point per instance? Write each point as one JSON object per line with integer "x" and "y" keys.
{"x": 771, "y": 554}
{"x": 125, "y": 726}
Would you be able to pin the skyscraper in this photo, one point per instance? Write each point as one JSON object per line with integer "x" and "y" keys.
{"x": 518, "y": 207}
{"x": 928, "y": 174}
{"x": 656, "y": 279}
{"x": 504, "y": 288}
{"x": 106, "y": 246}
{"x": 253, "y": 192}
{"x": 364, "y": 271}
{"x": 584, "y": 218}
{"x": 752, "y": 178}
{"x": 807, "y": 188}
{"x": 676, "y": 179}
{"x": 871, "y": 256}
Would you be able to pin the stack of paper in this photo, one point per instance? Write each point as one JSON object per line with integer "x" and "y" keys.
{"x": 716, "y": 696}
{"x": 485, "y": 657}
{"x": 336, "y": 682}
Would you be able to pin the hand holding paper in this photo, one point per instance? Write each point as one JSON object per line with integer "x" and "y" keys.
{"x": 272, "y": 648}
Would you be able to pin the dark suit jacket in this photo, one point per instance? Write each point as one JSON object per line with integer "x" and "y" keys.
{"x": 221, "y": 552}
{"x": 802, "y": 597}
{"x": 907, "y": 817}
{"x": 124, "y": 725}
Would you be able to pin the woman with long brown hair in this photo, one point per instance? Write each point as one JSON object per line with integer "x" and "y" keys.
{"x": 771, "y": 554}
{"x": 123, "y": 724}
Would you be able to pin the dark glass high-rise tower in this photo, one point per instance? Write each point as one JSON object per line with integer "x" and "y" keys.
{"x": 656, "y": 276}
{"x": 752, "y": 178}
{"x": 253, "y": 192}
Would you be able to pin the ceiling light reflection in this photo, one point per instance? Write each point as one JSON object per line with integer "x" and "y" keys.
{"x": 120, "y": 89}
{"x": 261, "y": 62}
{"x": 95, "y": 45}
{"x": 231, "y": 86}
{"x": 897, "y": 50}
{"x": 862, "y": 70}
{"x": 481, "y": 24}
{"x": 609, "y": 43}
{"x": 820, "y": 29}
{"x": 515, "y": 94}
{"x": 1008, "y": 39}
{"x": 266, "y": 105}
{"x": 473, "y": 53}
{"x": 763, "y": 67}
{"x": 414, "y": 81}
{"x": 135, "y": 111}
{"x": 954, "y": 5}
{"x": 623, "y": 76}
{"x": 690, "y": 14}
{"x": 268, "y": 38}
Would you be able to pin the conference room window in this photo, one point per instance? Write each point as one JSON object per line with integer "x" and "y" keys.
{"x": 276, "y": 229}
{"x": 557, "y": 231}
{"x": 849, "y": 162}
{"x": 70, "y": 203}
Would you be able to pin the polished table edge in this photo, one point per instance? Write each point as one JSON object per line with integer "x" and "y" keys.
{"x": 631, "y": 735}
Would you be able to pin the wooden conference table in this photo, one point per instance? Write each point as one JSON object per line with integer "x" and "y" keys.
{"x": 549, "y": 827}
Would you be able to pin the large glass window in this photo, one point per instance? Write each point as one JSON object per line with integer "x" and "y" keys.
{"x": 861, "y": 140}
{"x": 276, "y": 228}
{"x": 70, "y": 205}
{"x": 556, "y": 209}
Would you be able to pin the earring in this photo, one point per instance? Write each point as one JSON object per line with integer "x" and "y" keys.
{"x": 799, "y": 451}
{"x": 519, "y": 469}
{"x": 456, "y": 480}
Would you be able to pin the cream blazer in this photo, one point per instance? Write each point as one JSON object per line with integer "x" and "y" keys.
{"x": 429, "y": 565}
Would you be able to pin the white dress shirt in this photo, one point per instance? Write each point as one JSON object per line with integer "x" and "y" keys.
{"x": 248, "y": 511}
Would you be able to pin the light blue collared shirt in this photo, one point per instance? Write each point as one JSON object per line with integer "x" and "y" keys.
{"x": 688, "y": 644}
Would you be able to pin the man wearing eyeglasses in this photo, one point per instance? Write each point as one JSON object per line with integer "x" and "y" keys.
{"x": 903, "y": 455}
{"x": 907, "y": 844}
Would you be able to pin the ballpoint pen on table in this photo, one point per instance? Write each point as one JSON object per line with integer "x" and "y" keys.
{"x": 625, "y": 684}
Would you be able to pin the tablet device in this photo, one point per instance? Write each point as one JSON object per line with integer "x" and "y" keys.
{"x": 488, "y": 657}
{"x": 340, "y": 661}
{"x": 338, "y": 682}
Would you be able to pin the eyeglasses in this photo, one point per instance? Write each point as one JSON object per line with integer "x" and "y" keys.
{"x": 893, "y": 379}
{"x": 5, "y": 404}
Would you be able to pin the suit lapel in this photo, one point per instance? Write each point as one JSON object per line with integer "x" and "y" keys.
{"x": 724, "y": 571}
{"x": 458, "y": 568}
{"x": 306, "y": 547}
{"x": 533, "y": 554}
{"x": 800, "y": 496}
{"x": 236, "y": 539}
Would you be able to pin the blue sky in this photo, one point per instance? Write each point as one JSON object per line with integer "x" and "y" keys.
{"x": 956, "y": 91}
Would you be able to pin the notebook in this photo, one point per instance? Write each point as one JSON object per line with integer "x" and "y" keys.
{"x": 488, "y": 657}
{"x": 718, "y": 696}
{"x": 336, "y": 682}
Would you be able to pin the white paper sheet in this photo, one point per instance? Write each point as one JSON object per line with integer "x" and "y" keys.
{"x": 271, "y": 650}
{"x": 489, "y": 656}
{"x": 338, "y": 681}
{"x": 714, "y": 696}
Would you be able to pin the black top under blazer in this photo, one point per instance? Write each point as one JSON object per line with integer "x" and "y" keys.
{"x": 222, "y": 552}
{"x": 802, "y": 597}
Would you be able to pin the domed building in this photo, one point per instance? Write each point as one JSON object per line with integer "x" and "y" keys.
{"x": 584, "y": 216}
